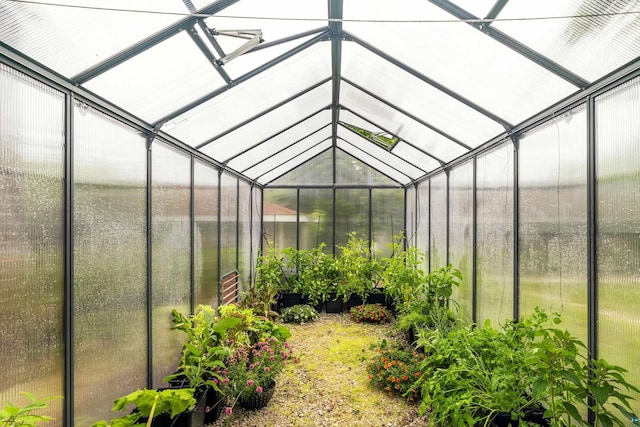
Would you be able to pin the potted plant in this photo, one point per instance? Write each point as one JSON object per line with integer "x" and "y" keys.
{"x": 263, "y": 296}
{"x": 359, "y": 269}
{"x": 299, "y": 314}
{"x": 295, "y": 262}
{"x": 402, "y": 276}
{"x": 315, "y": 277}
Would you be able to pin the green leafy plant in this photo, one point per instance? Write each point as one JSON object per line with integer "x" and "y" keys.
{"x": 402, "y": 275}
{"x": 301, "y": 313}
{"x": 204, "y": 350}
{"x": 372, "y": 313}
{"x": 12, "y": 415}
{"x": 148, "y": 404}
{"x": 269, "y": 278}
{"x": 361, "y": 272}
{"x": 317, "y": 276}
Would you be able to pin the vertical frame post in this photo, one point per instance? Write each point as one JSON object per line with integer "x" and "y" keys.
{"x": 68, "y": 389}
{"x": 516, "y": 229}
{"x": 149, "y": 263}
{"x": 592, "y": 229}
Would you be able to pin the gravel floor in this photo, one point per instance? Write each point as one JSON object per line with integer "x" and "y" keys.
{"x": 329, "y": 386}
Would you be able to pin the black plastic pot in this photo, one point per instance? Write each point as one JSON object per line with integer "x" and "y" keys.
{"x": 377, "y": 298}
{"x": 193, "y": 418}
{"x": 503, "y": 419}
{"x": 334, "y": 304}
{"x": 536, "y": 416}
{"x": 289, "y": 299}
{"x": 354, "y": 301}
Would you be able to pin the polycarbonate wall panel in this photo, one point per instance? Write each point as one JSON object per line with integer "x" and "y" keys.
{"x": 229, "y": 223}
{"x": 438, "y": 229}
{"x": 494, "y": 230}
{"x": 422, "y": 216}
{"x": 256, "y": 227}
{"x": 374, "y": 162}
{"x": 461, "y": 233}
{"x": 171, "y": 253}
{"x": 386, "y": 219}
{"x": 244, "y": 235}
{"x": 110, "y": 263}
{"x": 316, "y": 218}
{"x": 410, "y": 216}
{"x": 205, "y": 206}
{"x": 352, "y": 214}
{"x": 552, "y": 197}
{"x": 618, "y": 228}
{"x": 280, "y": 218}
{"x": 31, "y": 240}
{"x": 599, "y": 37}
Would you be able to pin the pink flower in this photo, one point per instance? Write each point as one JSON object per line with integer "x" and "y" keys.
{"x": 259, "y": 389}
{"x": 267, "y": 369}
{"x": 295, "y": 360}
{"x": 251, "y": 366}
{"x": 249, "y": 383}
{"x": 228, "y": 410}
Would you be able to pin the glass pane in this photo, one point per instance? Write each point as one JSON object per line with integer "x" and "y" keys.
{"x": 386, "y": 219}
{"x": 244, "y": 235}
{"x": 438, "y": 226}
{"x": 229, "y": 225}
{"x": 274, "y": 125}
{"x": 205, "y": 204}
{"x": 72, "y": 39}
{"x": 601, "y": 36}
{"x": 458, "y": 56}
{"x": 618, "y": 214}
{"x": 352, "y": 214}
{"x": 254, "y": 95}
{"x": 553, "y": 220}
{"x": 494, "y": 250}
{"x": 152, "y": 95}
{"x": 397, "y": 123}
{"x": 417, "y": 97}
{"x": 423, "y": 222}
{"x": 316, "y": 207}
{"x": 110, "y": 263}
{"x": 461, "y": 234}
{"x": 171, "y": 253}
{"x": 31, "y": 240}
{"x": 280, "y": 217}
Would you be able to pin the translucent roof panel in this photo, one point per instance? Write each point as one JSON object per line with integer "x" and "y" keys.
{"x": 151, "y": 95}
{"x": 273, "y": 123}
{"x": 252, "y": 96}
{"x": 377, "y": 164}
{"x": 72, "y": 38}
{"x": 591, "y": 38}
{"x": 458, "y": 56}
{"x": 317, "y": 170}
{"x": 316, "y": 128}
{"x": 283, "y": 168}
{"x": 479, "y": 8}
{"x": 413, "y": 95}
{"x": 406, "y": 151}
{"x": 352, "y": 171}
{"x": 397, "y": 123}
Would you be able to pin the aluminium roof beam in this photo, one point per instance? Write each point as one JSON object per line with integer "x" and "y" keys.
{"x": 335, "y": 28}
{"x": 496, "y": 9}
{"x": 512, "y": 43}
{"x": 149, "y": 42}
{"x": 205, "y": 50}
{"x": 406, "y": 113}
{"x": 211, "y": 95}
{"x": 504, "y": 123}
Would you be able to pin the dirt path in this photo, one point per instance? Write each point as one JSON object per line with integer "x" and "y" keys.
{"x": 329, "y": 386}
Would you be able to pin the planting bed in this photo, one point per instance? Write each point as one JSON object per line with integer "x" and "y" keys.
{"x": 329, "y": 386}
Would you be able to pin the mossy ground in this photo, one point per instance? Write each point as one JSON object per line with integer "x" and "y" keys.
{"x": 330, "y": 385}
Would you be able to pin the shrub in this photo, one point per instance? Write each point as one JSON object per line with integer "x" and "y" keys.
{"x": 395, "y": 371}
{"x": 373, "y": 313}
{"x": 302, "y": 313}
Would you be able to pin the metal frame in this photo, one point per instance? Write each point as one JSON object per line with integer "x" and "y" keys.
{"x": 68, "y": 321}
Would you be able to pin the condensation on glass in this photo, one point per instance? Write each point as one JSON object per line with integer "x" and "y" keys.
{"x": 171, "y": 253}
{"x": 228, "y": 223}
{"x": 438, "y": 228}
{"x": 31, "y": 239}
{"x": 205, "y": 219}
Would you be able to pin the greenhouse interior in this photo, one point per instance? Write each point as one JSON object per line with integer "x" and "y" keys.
{"x": 151, "y": 148}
